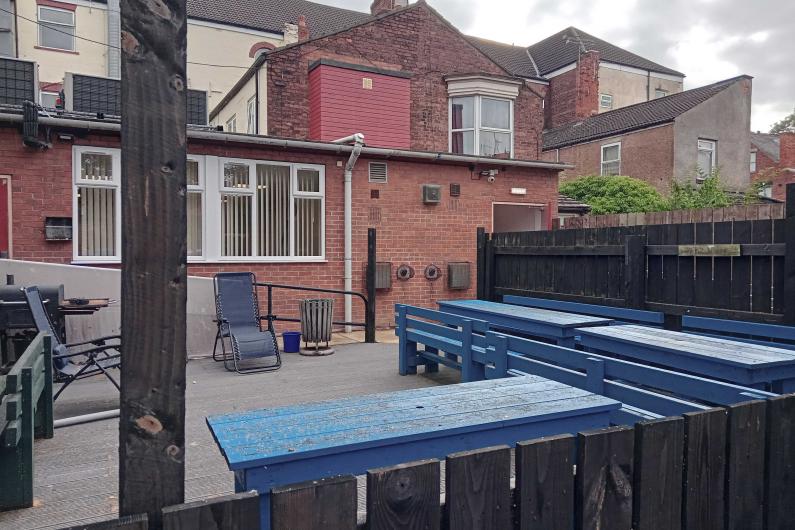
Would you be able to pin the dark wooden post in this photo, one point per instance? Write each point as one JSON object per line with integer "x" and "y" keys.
{"x": 481, "y": 263}
{"x": 369, "y": 330}
{"x": 789, "y": 260}
{"x": 635, "y": 272}
{"x": 154, "y": 275}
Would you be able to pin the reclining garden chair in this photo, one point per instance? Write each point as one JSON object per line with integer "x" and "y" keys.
{"x": 92, "y": 358}
{"x": 239, "y": 320}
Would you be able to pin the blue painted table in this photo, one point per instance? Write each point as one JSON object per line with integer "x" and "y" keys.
{"x": 718, "y": 358}
{"x": 556, "y": 325}
{"x": 275, "y": 447}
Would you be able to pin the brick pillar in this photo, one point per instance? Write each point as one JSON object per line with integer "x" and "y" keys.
{"x": 303, "y": 29}
{"x": 587, "y": 97}
{"x": 787, "y": 146}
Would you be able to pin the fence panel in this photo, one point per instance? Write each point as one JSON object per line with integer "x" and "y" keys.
{"x": 404, "y": 496}
{"x": 478, "y": 489}
{"x": 545, "y": 483}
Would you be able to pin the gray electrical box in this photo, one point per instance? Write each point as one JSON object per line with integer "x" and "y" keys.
{"x": 431, "y": 194}
{"x": 458, "y": 275}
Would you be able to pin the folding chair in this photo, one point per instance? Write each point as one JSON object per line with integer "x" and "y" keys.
{"x": 239, "y": 320}
{"x": 96, "y": 357}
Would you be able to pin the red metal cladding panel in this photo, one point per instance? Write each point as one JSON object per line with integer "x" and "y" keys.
{"x": 5, "y": 192}
{"x": 344, "y": 101}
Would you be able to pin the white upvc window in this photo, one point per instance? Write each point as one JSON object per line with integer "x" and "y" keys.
{"x": 48, "y": 99}
{"x": 56, "y": 28}
{"x": 231, "y": 124}
{"x": 706, "y": 157}
{"x": 194, "y": 173}
{"x": 611, "y": 159}
{"x": 481, "y": 125}
{"x": 271, "y": 211}
{"x": 660, "y": 93}
{"x": 753, "y": 161}
{"x": 606, "y": 101}
{"x": 96, "y": 204}
{"x": 251, "y": 115}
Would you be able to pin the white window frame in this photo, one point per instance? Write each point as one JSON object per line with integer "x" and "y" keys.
{"x": 251, "y": 115}
{"x": 477, "y": 112}
{"x": 603, "y": 161}
{"x": 602, "y": 98}
{"x": 48, "y": 93}
{"x": 42, "y": 27}
{"x": 115, "y": 183}
{"x": 200, "y": 188}
{"x": 231, "y": 124}
{"x": 753, "y": 165}
{"x": 713, "y": 150}
{"x": 213, "y": 209}
{"x": 657, "y": 93}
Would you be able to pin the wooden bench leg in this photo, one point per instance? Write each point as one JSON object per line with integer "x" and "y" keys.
{"x": 785, "y": 386}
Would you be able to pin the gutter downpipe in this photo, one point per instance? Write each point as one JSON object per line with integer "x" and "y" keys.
{"x": 358, "y": 143}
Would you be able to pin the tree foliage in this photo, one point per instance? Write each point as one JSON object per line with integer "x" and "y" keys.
{"x": 614, "y": 194}
{"x": 708, "y": 194}
{"x": 787, "y": 124}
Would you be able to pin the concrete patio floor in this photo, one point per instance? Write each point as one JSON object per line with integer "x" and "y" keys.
{"x": 75, "y": 473}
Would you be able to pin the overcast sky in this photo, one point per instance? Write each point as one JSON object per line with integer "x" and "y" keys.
{"x": 708, "y": 40}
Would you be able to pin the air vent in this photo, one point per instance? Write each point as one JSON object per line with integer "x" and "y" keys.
{"x": 378, "y": 172}
{"x": 458, "y": 275}
{"x": 455, "y": 190}
{"x": 431, "y": 194}
{"x": 383, "y": 275}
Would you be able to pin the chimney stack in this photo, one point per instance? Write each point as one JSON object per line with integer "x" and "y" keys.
{"x": 587, "y": 102}
{"x": 379, "y": 7}
{"x": 787, "y": 149}
{"x": 303, "y": 29}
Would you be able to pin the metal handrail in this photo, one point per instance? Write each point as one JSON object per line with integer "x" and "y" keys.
{"x": 368, "y": 325}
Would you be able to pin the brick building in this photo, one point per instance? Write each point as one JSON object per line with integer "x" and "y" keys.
{"x": 773, "y": 162}
{"x": 272, "y": 206}
{"x": 681, "y": 137}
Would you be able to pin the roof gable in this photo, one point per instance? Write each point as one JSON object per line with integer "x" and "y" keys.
{"x": 272, "y": 15}
{"x": 634, "y": 117}
{"x": 769, "y": 144}
{"x": 564, "y": 48}
{"x": 514, "y": 59}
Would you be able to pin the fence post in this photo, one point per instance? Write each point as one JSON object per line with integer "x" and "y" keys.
{"x": 789, "y": 260}
{"x": 481, "y": 263}
{"x": 489, "y": 274}
{"x": 635, "y": 272}
{"x": 369, "y": 330}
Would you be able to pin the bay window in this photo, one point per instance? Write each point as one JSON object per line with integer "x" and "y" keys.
{"x": 237, "y": 209}
{"x": 481, "y": 125}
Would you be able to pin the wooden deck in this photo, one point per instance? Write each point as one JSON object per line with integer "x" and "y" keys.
{"x": 75, "y": 473}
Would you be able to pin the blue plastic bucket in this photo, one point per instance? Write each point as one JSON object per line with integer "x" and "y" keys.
{"x": 292, "y": 341}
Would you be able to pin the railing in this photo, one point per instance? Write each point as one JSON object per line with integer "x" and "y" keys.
{"x": 368, "y": 325}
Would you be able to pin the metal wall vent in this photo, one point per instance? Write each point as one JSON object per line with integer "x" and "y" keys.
{"x": 378, "y": 172}
{"x": 383, "y": 275}
{"x": 458, "y": 275}
{"x": 431, "y": 193}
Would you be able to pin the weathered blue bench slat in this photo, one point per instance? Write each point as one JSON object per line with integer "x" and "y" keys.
{"x": 751, "y": 332}
{"x": 620, "y": 313}
{"x": 281, "y": 446}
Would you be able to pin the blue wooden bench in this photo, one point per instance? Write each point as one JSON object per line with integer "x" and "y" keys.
{"x": 275, "y": 447}
{"x": 445, "y": 338}
{"x": 651, "y": 318}
{"x": 646, "y": 391}
{"x": 719, "y": 358}
{"x": 750, "y": 332}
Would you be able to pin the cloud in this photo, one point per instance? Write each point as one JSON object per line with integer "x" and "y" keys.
{"x": 708, "y": 40}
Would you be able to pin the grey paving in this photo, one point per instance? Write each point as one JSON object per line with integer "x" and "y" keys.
{"x": 75, "y": 473}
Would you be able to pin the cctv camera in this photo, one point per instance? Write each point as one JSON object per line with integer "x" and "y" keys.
{"x": 491, "y": 179}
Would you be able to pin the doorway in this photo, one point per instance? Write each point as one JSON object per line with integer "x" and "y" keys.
{"x": 517, "y": 217}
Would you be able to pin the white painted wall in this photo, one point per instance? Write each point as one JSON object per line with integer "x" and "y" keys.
{"x": 94, "y": 282}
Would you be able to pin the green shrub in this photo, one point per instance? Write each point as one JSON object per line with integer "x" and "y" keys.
{"x": 708, "y": 194}
{"x": 614, "y": 194}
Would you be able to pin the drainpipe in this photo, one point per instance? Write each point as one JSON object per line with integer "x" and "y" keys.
{"x": 358, "y": 143}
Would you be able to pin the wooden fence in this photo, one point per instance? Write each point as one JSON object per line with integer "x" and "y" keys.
{"x": 721, "y": 469}
{"x": 740, "y": 212}
{"x": 728, "y": 269}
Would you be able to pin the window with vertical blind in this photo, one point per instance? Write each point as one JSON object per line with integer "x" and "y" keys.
{"x": 237, "y": 209}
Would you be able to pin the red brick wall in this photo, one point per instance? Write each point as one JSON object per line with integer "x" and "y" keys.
{"x": 768, "y": 170}
{"x": 339, "y": 104}
{"x": 646, "y": 155}
{"x": 416, "y": 41}
{"x": 574, "y": 94}
{"x": 787, "y": 149}
{"x": 408, "y": 231}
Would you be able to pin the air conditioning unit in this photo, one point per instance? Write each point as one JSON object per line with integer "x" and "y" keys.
{"x": 431, "y": 194}
{"x": 458, "y": 275}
